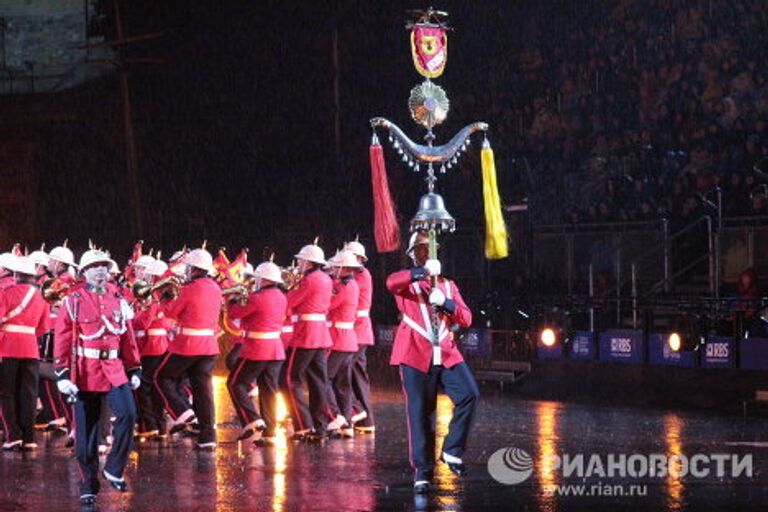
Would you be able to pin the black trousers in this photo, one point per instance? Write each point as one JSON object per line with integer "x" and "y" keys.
{"x": 148, "y": 399}
{"x": 420, "y": 391}
{"x": 265, "y": 375}
{"x": 53, "y": 403}
{"x": 307, "y": 367}
{"x": 232, "y": 356}
{"x": 199, "y": 369}
{"x": 361, "y": 385}
{"x": 339, "y": 391}
{"x": 18, "y": 398}
{"x": 88, "y": 413}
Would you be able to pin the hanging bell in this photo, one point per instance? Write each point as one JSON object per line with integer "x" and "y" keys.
{"x": 432, "y": 215}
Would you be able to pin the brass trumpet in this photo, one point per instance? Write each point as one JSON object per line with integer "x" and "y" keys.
{"x": 54, "y": 289}
{"x": 291, "y": 277}
{"x": 143, "y": 291}
{"x": 238, "y": 292}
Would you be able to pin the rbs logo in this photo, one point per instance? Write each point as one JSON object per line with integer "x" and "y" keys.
{"x": 623, "y": 345}
{"x": 718, "y": 350}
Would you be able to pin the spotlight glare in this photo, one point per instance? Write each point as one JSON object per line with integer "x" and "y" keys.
{"x": 548, "y": 337}
{"x": 675, "y": 342}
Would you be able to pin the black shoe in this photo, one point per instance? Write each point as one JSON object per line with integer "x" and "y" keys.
{"x": 245, "y": 434}
{"x": 87, "y": 500}
{"x": 457, "y": 468}
{"x": 70, "y": 443}
{"x": 421, "y": 487}
{"x": 316, "y": 438}
{"x": 264, "y": 441}
{"x": 121, "y": 485}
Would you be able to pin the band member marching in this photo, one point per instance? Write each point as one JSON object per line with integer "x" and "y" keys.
{"x": 97, "y": 358}
{"x": 306, "y": 362}
{"x": 362, "y": 419}
{"x": 53, "y": 414}
{"x": 23, "y": 318}
{"x": 151, "y": 328}
{"x": 424, "y": 368}
{"x": 193, "y": 350}
{"x": 262, "y": 355}
{"x": 341, "y": 318}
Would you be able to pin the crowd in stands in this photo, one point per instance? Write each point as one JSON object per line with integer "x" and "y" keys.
{"x": 649, "y": 104}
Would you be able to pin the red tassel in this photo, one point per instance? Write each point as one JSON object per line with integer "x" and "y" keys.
{"x": 385, "y": 227}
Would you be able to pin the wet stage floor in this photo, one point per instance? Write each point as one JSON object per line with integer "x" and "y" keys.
{"x": 372, "y": 473}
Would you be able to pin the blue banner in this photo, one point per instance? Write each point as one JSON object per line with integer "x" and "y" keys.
{"x": 718, "y": 352}
{"x": 621, "y": 346}
{"x": 753, "y": 354}
{"x": 583, "y": 346}
{"x": 475, "y": 342}
{"x": 553, "y": 352}
{"x": 659, "y": 353}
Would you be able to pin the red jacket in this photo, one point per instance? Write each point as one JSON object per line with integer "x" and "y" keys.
{"x": 6, "y": 282}
{"x": 287, "y": 329}
{"x": 262, "y": 321}
{"x": 151, "y": 328}
{"x": 412, "y": 344}
{"x": 309, "y": 303}
{"x": 363, "y": 326}
{"x": 196, "y": 310}
{"x": 23, "y": 317}
{"x": 90, "y": 331}
{"x": 342, "y": 314}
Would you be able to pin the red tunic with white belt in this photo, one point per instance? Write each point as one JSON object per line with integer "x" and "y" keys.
{"x": 24, "y": 315}
{"x": 151, "y": 328}
{"x": 363, "y": 327}
{"x": 196, "y": 311}
{"x": 309, "y": 303}
{"x": 262, "y": 321}
{"x": 94, "y": 337}
{"x": 413, "y": 345}
{"x": 342, "y": 314}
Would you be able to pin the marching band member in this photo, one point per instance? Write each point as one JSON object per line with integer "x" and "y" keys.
{"x": 53, "y": 415}
{"x": 425, "y": 368}
{"x": 96, "y": 358}
{"x": 151, "y": 328}
{"x": 193, "y": 350}
{"x": 341, "y": 317}
{"x": 306, "y": 363}
{"x": 237, "y": 340}
{"x": 361, "y": 383}
{"x": 262, "y": 353}
{"x": 61, "y": 278}
{"x": 23, "y": 317}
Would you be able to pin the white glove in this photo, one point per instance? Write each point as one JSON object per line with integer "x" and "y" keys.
{"x": 67, "y": 387}
{"x": 433, "y": 267}
{"x": 135, "y": 382}
{"x": 437, "y": 297}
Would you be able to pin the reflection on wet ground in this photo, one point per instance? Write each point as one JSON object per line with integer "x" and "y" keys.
{"x": 372, "y": 473}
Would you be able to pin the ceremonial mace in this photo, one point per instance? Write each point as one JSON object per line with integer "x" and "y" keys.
{"x": 429, "y": 106}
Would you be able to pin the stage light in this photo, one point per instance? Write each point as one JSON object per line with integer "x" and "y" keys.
{"x": 675, "y": 342}
{"x": 548, "y": 337}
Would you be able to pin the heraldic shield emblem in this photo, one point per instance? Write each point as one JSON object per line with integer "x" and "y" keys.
{"x": 429, "y": 47}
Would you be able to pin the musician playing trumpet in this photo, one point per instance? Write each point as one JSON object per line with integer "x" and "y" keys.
{"x": 260, "y": 360}
{"x": 151, "y": 328}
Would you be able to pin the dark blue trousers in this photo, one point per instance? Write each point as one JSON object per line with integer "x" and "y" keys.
{"x": 87, "y": 414}
{"x": 420, "y": 391}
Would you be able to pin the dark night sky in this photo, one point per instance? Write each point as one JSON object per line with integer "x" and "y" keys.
{"x": 235, "y": 132}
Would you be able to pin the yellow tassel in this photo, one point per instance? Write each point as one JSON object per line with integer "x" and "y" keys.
{"x": 496, "y": 246}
